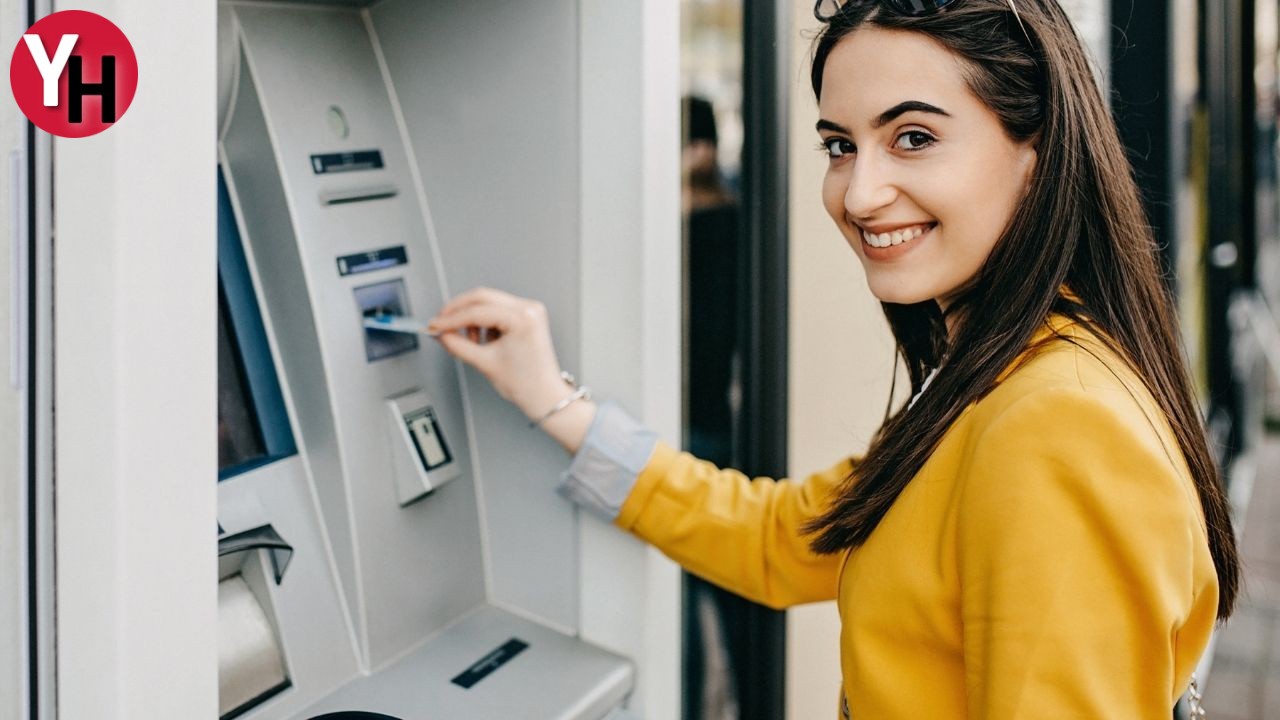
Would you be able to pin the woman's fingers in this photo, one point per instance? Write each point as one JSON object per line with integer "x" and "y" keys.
{"x": 506, "y": 338}
{"x": 469, "y": 352}
{"x": 478, "y": 295}
{"x": 479, "y": 315}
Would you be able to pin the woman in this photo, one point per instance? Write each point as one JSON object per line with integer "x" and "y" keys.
{"x": 1041, "y": 532}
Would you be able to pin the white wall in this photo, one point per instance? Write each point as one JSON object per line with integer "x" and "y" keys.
{"x": 136, "y": 378}
{"x": 631, "y": 218}
{"x": 840, "y": 368}
{"x": 11, "y": 410}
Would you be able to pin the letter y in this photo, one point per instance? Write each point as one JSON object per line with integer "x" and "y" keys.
{"x": 50, "y": 70}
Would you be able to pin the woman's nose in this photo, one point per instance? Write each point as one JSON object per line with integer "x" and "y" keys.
{"x": 870, "y": 188}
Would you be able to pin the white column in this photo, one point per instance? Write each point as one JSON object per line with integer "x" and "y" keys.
{"x": 135, "y": 385}
{"x": 13, "y": 621}
{"x": 630, "y": 180}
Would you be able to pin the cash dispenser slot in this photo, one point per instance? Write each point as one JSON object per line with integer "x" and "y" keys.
{"x": 251, "y": 662}
{"x": 259, "y": 538}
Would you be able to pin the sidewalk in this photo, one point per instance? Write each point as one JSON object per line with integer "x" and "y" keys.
{"x": 1244, "y": 683}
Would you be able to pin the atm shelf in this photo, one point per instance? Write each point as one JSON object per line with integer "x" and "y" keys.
{"x": 552, "y": 677}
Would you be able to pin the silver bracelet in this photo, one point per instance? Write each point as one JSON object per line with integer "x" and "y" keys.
{"x": 579, "y": 393}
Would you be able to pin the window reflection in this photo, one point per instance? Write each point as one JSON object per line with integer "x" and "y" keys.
{"x": 718, "y": 628}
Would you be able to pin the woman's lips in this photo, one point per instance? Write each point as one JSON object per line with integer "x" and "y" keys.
{"x": 891, "y": 244}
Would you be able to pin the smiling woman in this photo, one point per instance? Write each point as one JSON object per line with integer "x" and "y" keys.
{"x": 921, "y": 193}
{"x": 1044, "y": 531}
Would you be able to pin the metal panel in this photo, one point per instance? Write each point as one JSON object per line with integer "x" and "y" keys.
{"x": 306, "y": 604}
{"x": 493, "y": 130}
{"x": 1230, "y": 216}
{"x": 302, "y": 61}
{"x": 556, "y": 677}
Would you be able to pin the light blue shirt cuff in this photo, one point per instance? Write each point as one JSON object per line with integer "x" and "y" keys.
{"x": 606, "y": 467}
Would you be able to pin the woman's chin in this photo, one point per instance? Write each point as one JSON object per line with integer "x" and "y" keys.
{"x": 899, "y": 295}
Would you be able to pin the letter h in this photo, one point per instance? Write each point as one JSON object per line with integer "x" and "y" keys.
{"x": 78, "y": 89}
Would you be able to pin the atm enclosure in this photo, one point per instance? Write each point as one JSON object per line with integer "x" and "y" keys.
{"x": 531, "y": 147}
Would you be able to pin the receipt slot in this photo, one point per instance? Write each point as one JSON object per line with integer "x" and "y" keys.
{"x": 423, "y": 459}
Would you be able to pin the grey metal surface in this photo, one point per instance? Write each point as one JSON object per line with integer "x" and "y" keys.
{"x": 254, "y": 181}
{"x": 414, "y": 479}
{"x": 490, "y": 100}
{"x": 555, "y": 678}
{"x": 306, "y": 606}
{"x": 406, "y": 571}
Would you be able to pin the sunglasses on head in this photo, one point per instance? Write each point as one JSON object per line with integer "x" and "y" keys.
{"x": 826, "y": 10}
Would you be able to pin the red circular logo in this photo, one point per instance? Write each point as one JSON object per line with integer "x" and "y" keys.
{"x": 73, "y": 73}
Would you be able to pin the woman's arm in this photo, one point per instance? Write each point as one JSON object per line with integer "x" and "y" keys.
{"x": 740, "y": 533}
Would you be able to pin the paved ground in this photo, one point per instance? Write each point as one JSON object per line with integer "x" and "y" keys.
{"x": 1244, "y": 682}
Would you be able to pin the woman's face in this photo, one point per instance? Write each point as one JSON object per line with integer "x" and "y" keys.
{"x": 922, "y": 178}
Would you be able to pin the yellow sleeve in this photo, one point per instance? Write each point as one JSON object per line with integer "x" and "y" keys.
{"x": 1076, "y": 540}
{"x": 740, "y": 533}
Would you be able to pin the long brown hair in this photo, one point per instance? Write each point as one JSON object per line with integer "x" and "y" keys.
{"x": 1081, "y": 224}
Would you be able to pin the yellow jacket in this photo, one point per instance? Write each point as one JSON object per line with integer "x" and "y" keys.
{"x": 1048, "y": 561}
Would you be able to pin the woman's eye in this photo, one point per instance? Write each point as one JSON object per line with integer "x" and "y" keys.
{"x": 838, "y": 147}
{"x": 913, "y": 140}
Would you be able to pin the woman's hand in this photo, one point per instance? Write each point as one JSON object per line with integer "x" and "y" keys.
{"x": 508, "y": 339}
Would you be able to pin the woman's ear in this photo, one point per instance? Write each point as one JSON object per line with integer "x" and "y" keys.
{"x": 1025, "y": 163}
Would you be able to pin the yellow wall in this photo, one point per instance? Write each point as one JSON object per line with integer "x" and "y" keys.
{"x": 841, "y": 362}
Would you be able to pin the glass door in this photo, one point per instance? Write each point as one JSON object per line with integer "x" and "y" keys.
{"x": 733, "y": 61}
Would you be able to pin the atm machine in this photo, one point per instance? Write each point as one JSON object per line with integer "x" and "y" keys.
{"x": 390, "y": 542}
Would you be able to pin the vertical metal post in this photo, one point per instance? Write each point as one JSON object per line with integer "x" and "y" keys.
{"x": 762, "y": 439}
{"x": 1142, "y": 96}
{"x": 1229, "y": 219}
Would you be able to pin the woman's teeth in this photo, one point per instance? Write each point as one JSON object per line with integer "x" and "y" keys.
{"x": 896, "y": 237}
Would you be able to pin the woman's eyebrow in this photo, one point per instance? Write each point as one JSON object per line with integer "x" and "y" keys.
{"x": 888, "y": 116}
{"x": 833, "y": 127}
{"x": 901, "y": 108}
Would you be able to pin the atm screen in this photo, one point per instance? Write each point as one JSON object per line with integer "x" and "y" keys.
{"x": 239, "y": 437}
{"x": 427, "y": 438}
{"x": 253, "y": 425}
